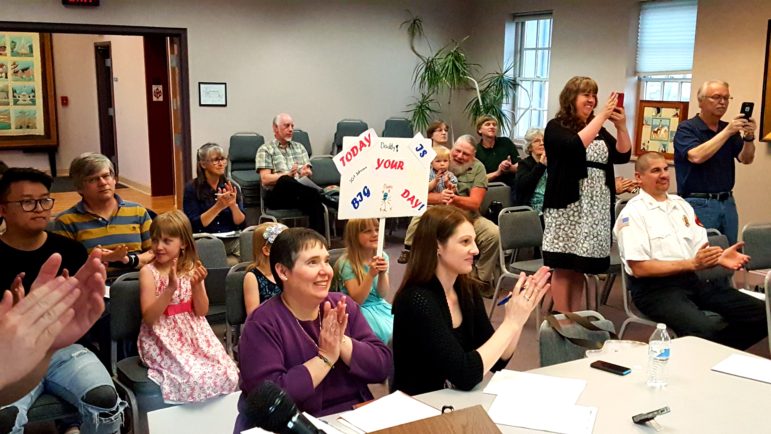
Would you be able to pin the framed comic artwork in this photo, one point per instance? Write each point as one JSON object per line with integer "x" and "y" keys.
{"x": 656, "y": 125}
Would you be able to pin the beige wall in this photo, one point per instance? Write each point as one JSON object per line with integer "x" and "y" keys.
{"x": 598, "y": 38}
{"x": 319, "y": 61}
{"x": 130, "y": 109}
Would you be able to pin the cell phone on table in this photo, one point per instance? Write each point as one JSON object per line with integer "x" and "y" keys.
{"x": 747, "y": 108}
{"x": 620, "y": 100}
{"x": 610, "y": 367}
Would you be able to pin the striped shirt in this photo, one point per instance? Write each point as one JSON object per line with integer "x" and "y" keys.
{"x": 130, "y": 225}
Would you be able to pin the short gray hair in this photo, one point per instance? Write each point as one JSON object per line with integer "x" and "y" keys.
{"x": 278, "y": 117}
{"x": 87, "y": 164}
{"x": 468, "y": 138}
{"x": 703, "y": 89}
{"x": 530, "y": 135}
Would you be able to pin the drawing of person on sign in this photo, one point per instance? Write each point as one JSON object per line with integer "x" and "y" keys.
{"x": 386, "y": 203}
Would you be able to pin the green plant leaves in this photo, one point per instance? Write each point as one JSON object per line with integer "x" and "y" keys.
{"x": 422, "y": 111}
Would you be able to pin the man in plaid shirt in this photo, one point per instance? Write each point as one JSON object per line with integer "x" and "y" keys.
{"x": 280, "y": 163}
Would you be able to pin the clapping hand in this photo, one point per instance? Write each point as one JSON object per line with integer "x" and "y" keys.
{"x": 707, "y": 257}
{"x": 118, "y": 254}
{"x": 447, "y": 196}
{"x": 305, "y": 170}
{"x": 226, "y": 196}
{"x": 333, "y": 325}
{"x": 526, "y": 295}
{"x": 29, "y": 327}
{"x": 198, "y": 275}
{"x": 89, "y": 304}
{"x": 448, "y": 184}
{"x": 624, "y": 185}
{"x": 732, "y": 259}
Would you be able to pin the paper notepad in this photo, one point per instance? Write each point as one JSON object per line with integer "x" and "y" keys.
{"x": 561, "y": 418}
{"x": 391, "y": 410}
{"x": 750, "y": 367}
{"x": 535, "y": 388}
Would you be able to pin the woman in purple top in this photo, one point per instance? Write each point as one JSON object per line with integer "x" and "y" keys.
{"x": 312, "y": 343}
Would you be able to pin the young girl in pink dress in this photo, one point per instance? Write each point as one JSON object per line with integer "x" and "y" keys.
{"x": 176, "y": 343}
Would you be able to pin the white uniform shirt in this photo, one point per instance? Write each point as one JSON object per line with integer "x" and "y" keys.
{"x": 665, "y": 231}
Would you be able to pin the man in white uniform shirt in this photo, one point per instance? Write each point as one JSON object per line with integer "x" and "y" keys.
{"x": 662, "y": 245}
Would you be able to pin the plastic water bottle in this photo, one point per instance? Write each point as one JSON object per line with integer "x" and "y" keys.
{"x": 658, "y": 356}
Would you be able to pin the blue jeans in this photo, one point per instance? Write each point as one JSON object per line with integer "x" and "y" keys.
{"x": 718, "y": 215}
{"x": 72, "y": 373}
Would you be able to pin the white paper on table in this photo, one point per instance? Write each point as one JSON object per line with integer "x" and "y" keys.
{"x": 390, "y": 410}
{"x": 754, "y": 368}
{"x": 559, "y": 418}
{"x": 758, "y": 295}
{"x": 529, "y": 388}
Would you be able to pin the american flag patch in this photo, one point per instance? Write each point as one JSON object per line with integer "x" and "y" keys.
{"x": 622, "y": 222}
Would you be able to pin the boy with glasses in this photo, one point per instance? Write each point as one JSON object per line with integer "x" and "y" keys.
{"x": 74, "y": 373}
{"x": 25, "y": 205}
{"x": 705, "y": 149}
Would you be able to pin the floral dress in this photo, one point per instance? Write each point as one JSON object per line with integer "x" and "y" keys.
{"x": 182, "y": 353}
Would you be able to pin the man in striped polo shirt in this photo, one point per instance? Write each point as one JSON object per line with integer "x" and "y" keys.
{"x": 102, "y": 220}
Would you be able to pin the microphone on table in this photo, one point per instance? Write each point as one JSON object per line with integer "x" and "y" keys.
{"x": 270, "y": 408}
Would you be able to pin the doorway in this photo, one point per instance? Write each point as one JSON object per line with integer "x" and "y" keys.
{"x": 105, "y": 101}
{"x": 176, "y": 143}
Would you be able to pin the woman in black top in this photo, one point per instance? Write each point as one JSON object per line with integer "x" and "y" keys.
{"x": 442, "y": 336}
{"x": 577, "y": 208}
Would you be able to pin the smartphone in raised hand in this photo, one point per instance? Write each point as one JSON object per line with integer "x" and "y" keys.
{"x": 746, "y": 110}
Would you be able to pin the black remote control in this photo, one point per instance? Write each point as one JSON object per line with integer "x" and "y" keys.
{"x": 645, "y": 417}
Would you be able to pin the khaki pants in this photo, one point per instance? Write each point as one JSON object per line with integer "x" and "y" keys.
{"x": 488, "y": 239}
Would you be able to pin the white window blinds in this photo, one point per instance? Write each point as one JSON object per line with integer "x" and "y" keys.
{"x": 665, "y": 36}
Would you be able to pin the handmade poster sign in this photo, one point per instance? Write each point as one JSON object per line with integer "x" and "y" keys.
{"x": 383, "y": 177}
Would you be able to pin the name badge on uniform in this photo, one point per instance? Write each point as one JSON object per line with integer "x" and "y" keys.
{"x": 685, "y": 220}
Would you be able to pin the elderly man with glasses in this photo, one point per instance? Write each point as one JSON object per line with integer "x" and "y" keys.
{"x": 102, "y": 220}
{"x": 705, "y": 148}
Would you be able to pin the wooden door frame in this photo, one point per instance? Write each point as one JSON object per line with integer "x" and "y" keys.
{"x": 102, "y": 29}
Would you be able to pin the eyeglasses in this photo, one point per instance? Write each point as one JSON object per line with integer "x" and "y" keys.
{"x": 97, "y": 178}
{"x": 719, "y": 98}
{"x": 218, "y": 160}
{"x": 29, "y": 205}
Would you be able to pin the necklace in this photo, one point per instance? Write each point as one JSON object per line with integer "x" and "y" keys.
{"x": 305, "y": 332}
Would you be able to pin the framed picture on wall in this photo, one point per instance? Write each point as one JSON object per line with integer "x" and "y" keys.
{"x": 765, "y": 117}
{"x": 657, "y": 123}
{"x": 212, "y": 94}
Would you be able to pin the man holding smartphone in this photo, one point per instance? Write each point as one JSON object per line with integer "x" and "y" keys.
{"x": 705, "y": 148}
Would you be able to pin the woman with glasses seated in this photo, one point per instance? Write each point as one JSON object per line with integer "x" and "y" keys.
{"x": 214, "y": 203}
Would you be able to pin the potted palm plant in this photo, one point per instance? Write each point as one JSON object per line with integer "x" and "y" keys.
{"x": 448, "y": 71}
